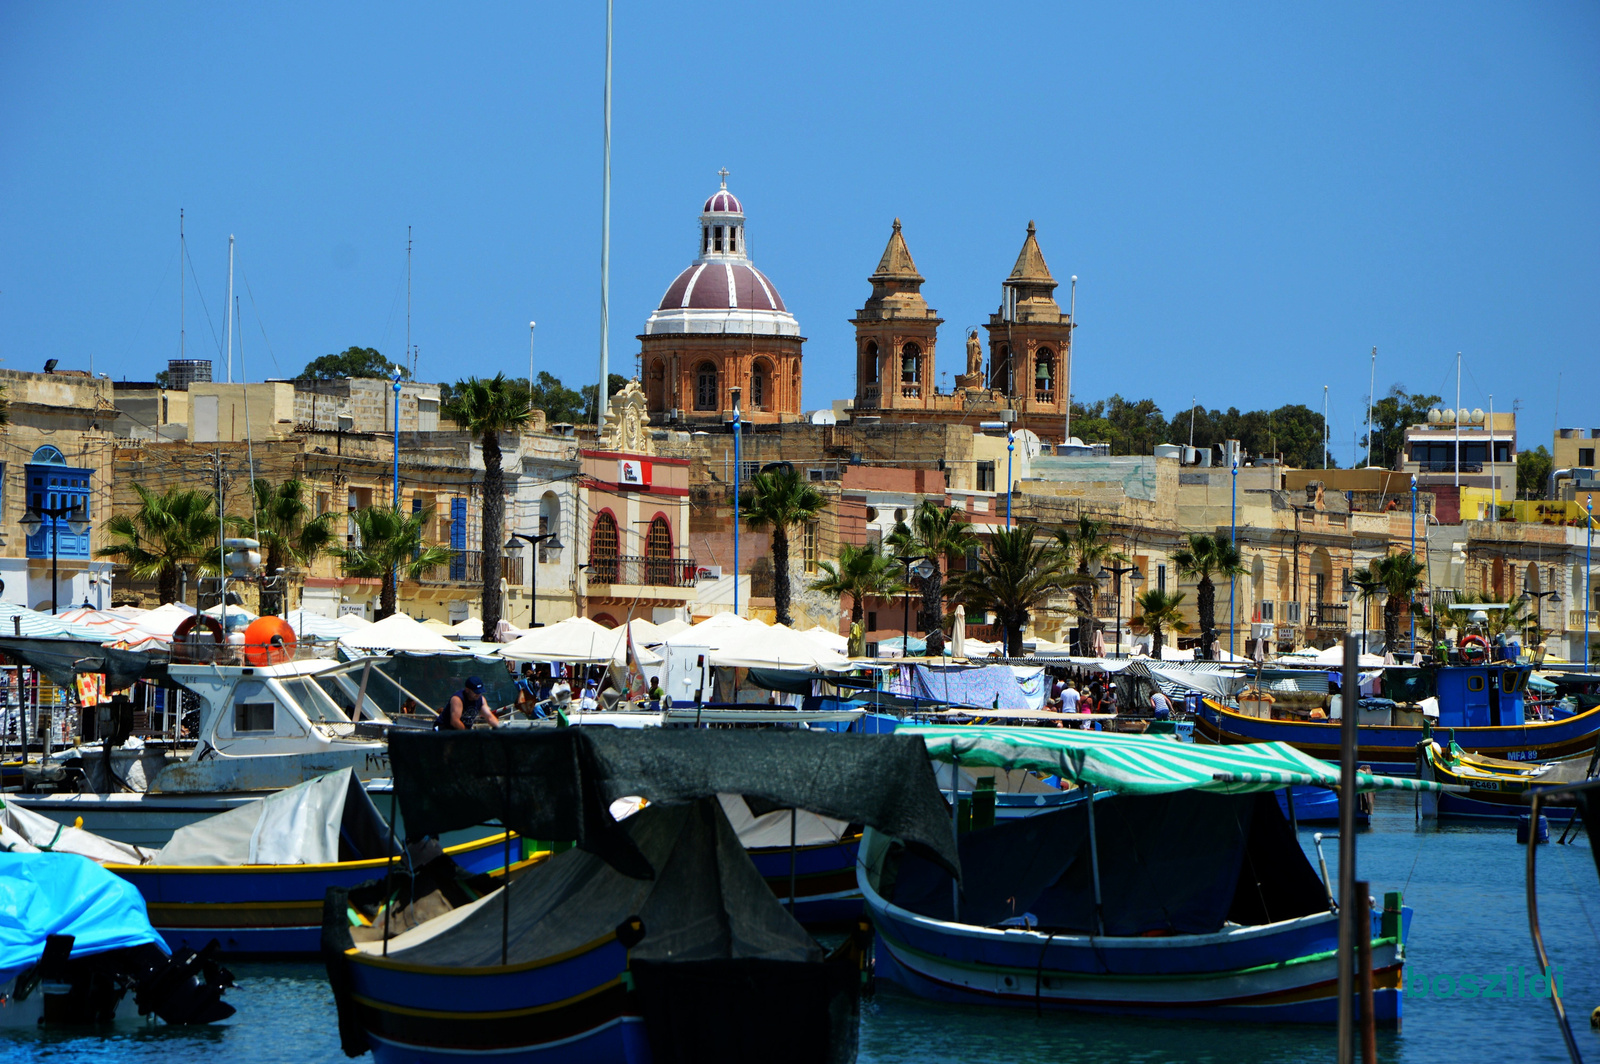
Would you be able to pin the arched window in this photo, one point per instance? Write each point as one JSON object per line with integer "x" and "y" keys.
{"x": 760, "y": 385}
{"x": 1044, "y": 376}
{"x": 869, "y": 362}
{"x": 658, "y": 552}
{"x": 716, "y": 238}
{"x": 911, "y": 371}
{"x": 604, "y": 549}
{"x": 605, "y": 620}
{"x": 656, "y": 385}
{"x": 705, "y": 386}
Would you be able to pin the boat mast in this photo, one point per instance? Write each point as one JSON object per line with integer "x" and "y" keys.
{"x": 409, "y": 357}
{"x": 605, "y": 250}
{"x": 227, "y": 311}
{"x": 1458, "y": 428}
{"x": 182, "y": 250}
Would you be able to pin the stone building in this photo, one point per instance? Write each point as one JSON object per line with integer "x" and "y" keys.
{"x": 57, "y": 454}
{"x": 722, "y": 331}
{"x": 1028, "y": 378}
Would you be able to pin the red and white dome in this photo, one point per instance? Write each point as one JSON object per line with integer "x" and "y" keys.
{"x": 721, "y": 292}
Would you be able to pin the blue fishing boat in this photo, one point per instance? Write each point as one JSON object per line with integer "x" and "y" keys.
{"x": 1493, "y": 788}
{"x": 253, "y": 879}
{"x": 1184, "y": 895}
{"x": 1317, "y": 805}
{"x": 655, "y": 939}
{"x": 1482, "y": 704}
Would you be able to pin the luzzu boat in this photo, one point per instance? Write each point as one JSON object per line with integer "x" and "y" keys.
{"x": 1491, "y": 787}
{"x": 1482, "y": 704}
{"x": 1183, "y": 895}
{"x": 653, "y": 939}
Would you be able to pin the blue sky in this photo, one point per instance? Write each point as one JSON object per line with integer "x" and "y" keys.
{"x": 1253, "y": 197}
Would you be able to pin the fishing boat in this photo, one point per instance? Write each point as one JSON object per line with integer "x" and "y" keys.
{"x": 261, "y": 729}
{"x": 1491, "y": 787}
{"x": 1318, "y": 805}
{"x": 1482, "y": 705}
{"x": 77, "y": 949}
{"x": 652, "y": 939}
{"x": 1184, "y": 895}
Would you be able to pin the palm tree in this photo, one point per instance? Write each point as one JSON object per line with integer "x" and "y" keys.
{"x": 388, "y": 542}
{"x": 1207, "y": 556}
{"x": 1457, "y": 616}
{"x": 164, "y": 535}
{"x": 486, "y": 408}
{"x": 1015, "y": 576}
{"x": 1087, "y": 544}
{"x": 862, "y": 573}
{"x": 1398, "y": 576}
{"x": 1161, "y": 612}
{"x": 288, "y": 531}
{"x": 778, "y": 499}
{"x": 943, "y": 534}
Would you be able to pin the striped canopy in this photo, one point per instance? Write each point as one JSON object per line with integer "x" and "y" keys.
{"x": 1144, "y": 764}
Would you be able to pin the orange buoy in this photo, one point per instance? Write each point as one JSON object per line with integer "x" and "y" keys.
{"x": 268, "y": 641}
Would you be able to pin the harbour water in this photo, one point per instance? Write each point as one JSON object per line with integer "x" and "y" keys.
{"x": 1464, "y": 880}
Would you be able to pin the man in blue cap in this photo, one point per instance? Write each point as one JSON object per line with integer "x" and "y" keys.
{"x": 466, "y": 708}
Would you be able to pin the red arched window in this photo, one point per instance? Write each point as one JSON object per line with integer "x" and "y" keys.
{"x": 658, "y": 553}
{"x": 604, "y": 549}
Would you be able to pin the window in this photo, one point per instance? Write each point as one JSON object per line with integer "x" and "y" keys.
{"x": 869, "y": 362}
{"x": 1586, "y": 456}
{"x": 808, "y": 547}
{"x": 985, "y": 476}
{"x": 254, "y": 716}
{"x": 1266, "y": 608}
{"x": 658, "y": 552}
{"x": 1000, "y": 370}
{"x": 716, "y": 238}
{"x": 748, "y": 471}
{"x": 1161, "y": 585}
{"x": 705, "y": 386}
{"x": 911, "y": 371}
{"x": 1044, "y": 364}
{"x": 1474, "y": 683}
{"x": 758, "y": 385}
{"x": 971, "y": 558}
{"x": 604, "y": 549}
{"x": 51, "y": 483}
{"x": 816, "y": 476}
{"x": 872, "y": 620}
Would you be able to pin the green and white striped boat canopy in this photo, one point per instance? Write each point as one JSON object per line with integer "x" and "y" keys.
{"x": 1144, "y": 764}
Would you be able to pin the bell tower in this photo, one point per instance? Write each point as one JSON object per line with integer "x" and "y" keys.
{"x": 1030, "y": 339}
{"x": 895, "y": 335}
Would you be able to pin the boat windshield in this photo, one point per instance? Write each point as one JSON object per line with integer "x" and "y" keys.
{"x": 314, "y": 701}
{"x": 343, "y": 686}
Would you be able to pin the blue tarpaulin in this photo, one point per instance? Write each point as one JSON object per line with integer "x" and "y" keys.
{"x": 963, "y": 685}
{"x": 43, "y": 894}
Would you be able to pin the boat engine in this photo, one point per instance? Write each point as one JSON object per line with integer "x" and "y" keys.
{"x": 185, "y": 988}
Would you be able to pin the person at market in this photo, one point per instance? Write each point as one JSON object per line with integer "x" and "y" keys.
{"x": 1161, "y": 704}
{"x": 1070, "y": 698}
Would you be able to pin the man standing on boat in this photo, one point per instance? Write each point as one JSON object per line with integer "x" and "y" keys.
{"x": 466, "y": 708}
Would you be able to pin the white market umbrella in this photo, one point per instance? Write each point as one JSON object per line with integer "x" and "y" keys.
{"x": 398, "y": 632}
{"x": 576, "y": 639}
{"x": 958, "y": 633}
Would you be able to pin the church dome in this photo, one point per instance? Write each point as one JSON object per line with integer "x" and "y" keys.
{"x": 721, "y": 291}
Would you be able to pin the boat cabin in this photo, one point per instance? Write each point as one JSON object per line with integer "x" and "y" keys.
{"x": 290, "y": 708}
{"x": 1481, "y": 696}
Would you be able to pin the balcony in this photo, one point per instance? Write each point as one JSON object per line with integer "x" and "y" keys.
{"x": 677, "y": 571}
{"x": 466, "y": 567}
{"x": 869, "y": 397}
{"x": 910, "y": 390}
{"x": 1329, "y": 615}
{"x": 1044, "y": 395}
{"x": 1448, "y": 466}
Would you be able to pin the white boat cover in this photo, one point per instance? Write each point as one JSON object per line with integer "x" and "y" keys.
{"x": 399, "y": 632}
{"x": 24, "y": 831}
{"x": 577, "y": 639}
{"x": 772, "y": 829}
{"x": 299, "y": 825}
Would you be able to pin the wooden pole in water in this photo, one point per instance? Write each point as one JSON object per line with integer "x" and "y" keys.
{"x": 794, "y": 816}
{"x": 1362, "y": 918}
{"x": 1349, "y": 691}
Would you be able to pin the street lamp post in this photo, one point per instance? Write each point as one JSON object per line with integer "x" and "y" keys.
{"x": 1011, "y": 445}
{"x": 77, "y": 524}
{"x": 1233, "y": 540}
{"x": 1114, "y": 574}
{"x": 1537, "y": 598}
{"x": 533, "y": 565}
{"x": 922, "y": 566}
{"x": 738, "y": 461}
{"x": 1412, "y": 613}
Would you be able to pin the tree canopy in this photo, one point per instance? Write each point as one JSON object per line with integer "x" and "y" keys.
{"x": 1391, "y": 416}
{"x": 1136, "y": 426}
{"x": 353, "y": 362}
{"x": 1533, "y": 473}
{"x": 559, "y": 403}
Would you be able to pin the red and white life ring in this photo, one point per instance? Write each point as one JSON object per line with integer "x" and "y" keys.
{"x": 1474, "y": 649}
{"x": 181, "y": 640}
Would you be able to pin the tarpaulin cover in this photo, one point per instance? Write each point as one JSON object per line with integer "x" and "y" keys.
{"x": 321, "y": 821}
{"x": 44, "y": 894}
{"x": 24, "y": 831}
{"x": 63, "y": 659}
{"x": 559, "y": 784}
{"x": 1145, "y": 764}
{"x": 961, "y": 685}
{"x": 1181, "y": 863}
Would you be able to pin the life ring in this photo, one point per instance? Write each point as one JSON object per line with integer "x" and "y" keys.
{"x": 1474, "y": 649}
{"x": 268, "y": 641}
{"x": 180, "y": 637}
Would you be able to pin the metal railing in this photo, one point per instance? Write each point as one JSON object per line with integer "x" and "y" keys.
{"x": 1448, "y": 466}
{"x": 659, "y": 571}
{"x": 1329, "y": 614}
{"x": 466, "y": 566}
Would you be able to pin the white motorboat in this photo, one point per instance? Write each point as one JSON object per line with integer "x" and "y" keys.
{"x": 262, "y": 728}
